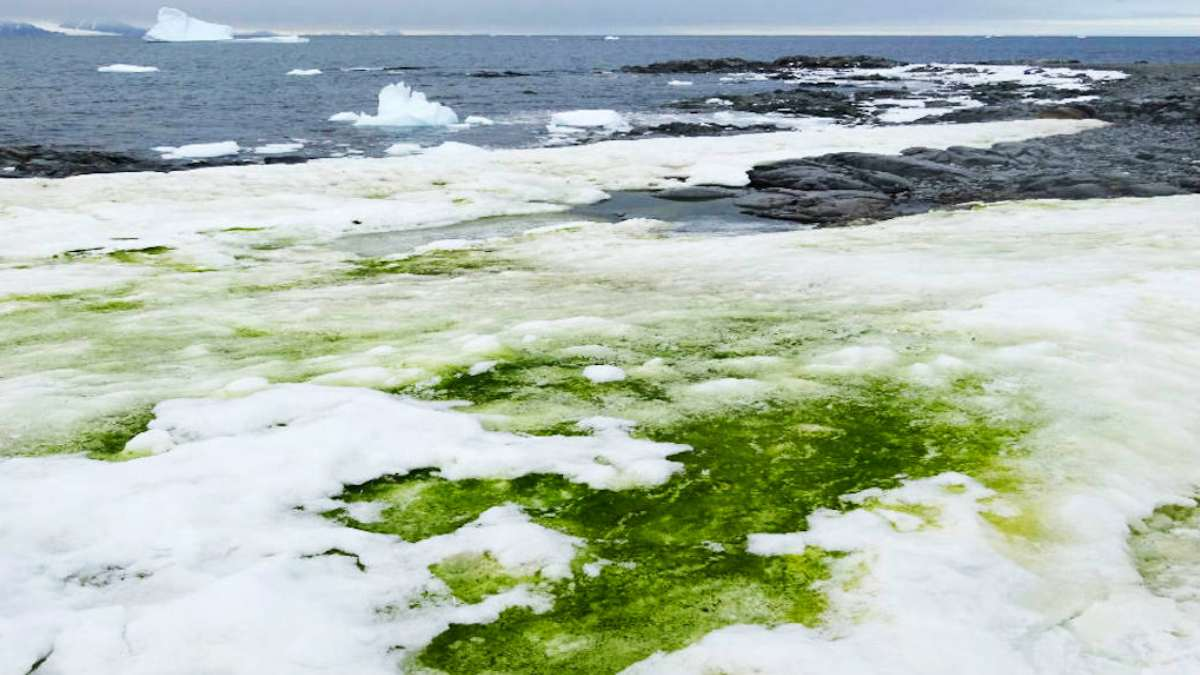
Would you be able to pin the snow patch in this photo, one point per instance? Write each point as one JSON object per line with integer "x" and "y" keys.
{"x": 604, "y": 374}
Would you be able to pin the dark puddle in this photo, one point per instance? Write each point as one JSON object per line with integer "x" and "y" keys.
{"x": 690, "y": 212}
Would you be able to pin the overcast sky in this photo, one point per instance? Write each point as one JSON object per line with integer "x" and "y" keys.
{"x": 1093, "y": 17}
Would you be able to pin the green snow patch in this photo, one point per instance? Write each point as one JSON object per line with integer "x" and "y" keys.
{"x": 663, "y": 566}
{"x": 432, "y": 263}
{"x": 1166, "y": 550}
{"x": 472, "y": 577}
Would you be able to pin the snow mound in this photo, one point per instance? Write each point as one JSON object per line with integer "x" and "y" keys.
{"x": 176, "y": 26}
{"x": 577, "y": 121}
{"x": 604, "y": 374}
{"x": 199, "y": 150}
{"x": 401, "y": 106}
{"x": 402, "y": 150}
{"x": 126, "y": 68}
{"x": 302, "y": 72}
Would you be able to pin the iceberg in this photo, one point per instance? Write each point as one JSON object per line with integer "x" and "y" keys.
{"x": 401, "y": 106}
{"x": 277, "y": 39}
{"x": 176, "y": 26}
{"x": 126, "y": 68}
{"x": 304, "y": 72}
{"x": 199, "y": 150}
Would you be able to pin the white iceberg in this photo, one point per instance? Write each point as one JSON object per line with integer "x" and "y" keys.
{"x": 679, "y": 83}
{"x": 126, "y": 68}
{"x": 578, "y": 121}
{"x": 401, "y": 106}
{"x": 479, "y": 120}
{"x": 277, "y": 39}
{"x": 199, "y": 150}
{"x": 304, "y": 72}
{"x": 176, "y": 26}
{"x": 612, "y": 38}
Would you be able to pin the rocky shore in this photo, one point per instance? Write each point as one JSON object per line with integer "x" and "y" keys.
{"x": 1150, "y": 149}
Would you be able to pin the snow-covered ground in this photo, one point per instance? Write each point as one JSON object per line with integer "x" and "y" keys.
{"x": 206, "y": 551}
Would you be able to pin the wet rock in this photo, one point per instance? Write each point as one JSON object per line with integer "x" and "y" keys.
{"x": 30, "y": 161}
{"x": 820, "y": 208}
{"x": 738, "y": 65}
{"x": 692, "y": 129}
{"x": 494, "y": 74}
{"x": 814, "y": 102}
{"x": 1073, "y": 111}
{"x": 696, "y": 194}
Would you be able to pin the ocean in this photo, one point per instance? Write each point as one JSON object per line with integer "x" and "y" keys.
{"x": 51, "y": 92}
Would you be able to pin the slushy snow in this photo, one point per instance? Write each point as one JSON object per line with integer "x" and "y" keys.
{"x": 126, "y": 68}
{"x": 401, "y": 106}
{"x": 176, "y": 26}
{"x": 199, "y": 150}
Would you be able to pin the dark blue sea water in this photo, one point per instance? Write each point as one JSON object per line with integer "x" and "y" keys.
{"x": 51, "y": 93}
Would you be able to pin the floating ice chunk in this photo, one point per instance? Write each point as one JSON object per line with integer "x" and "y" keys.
{"x": 479, "y": 120}
{"x": 277, "y": 40}
{"x": 403, "y": 149}
{"x": 126, "y": 68}
{"x": 401, "y": 106}
{"x": 612, "y": 38}
{"x": 199, "y": 150}
{"x": 604, "y": 374}
{"x": 278, "y": 148}
{"x": 176, "y": 26}
{"x": 680, "y": 83}
{"x": 719, "y": 101}
{"x": 304, "y": 72}
{"x": 578, "y": 121}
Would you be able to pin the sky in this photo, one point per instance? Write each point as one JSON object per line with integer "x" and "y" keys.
{"x": 955, "y": 17}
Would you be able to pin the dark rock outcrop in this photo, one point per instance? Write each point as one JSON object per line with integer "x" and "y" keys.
{"x": 736, "y": 65}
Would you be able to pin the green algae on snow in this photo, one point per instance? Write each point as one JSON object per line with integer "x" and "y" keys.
{"x": 103, "y": 438}
{"x": 472, "y": 577}
{"x": 432, "y": 263}
{"x": 663, "y": 566}
{"x": 1166, "y": 551}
